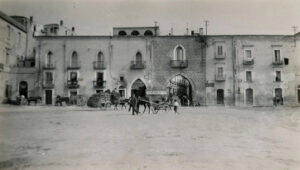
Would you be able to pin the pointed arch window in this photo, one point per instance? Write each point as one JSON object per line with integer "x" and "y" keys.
{"x": 100, "y": 61}
{"x": 138, "y": 58}
{"x": 100, "y": 57}
{"x": 179, "y": 53}
{"x": 74, "y": 60}
{"x": 49, "y": 58}
{"x": 179, "y": 58}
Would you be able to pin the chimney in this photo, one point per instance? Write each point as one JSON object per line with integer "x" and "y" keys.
{"x": 201, "y": 31}
{"x": 61, "y": 22}
{"x": 73, "y": 29}
{"x": 31, "y": 19}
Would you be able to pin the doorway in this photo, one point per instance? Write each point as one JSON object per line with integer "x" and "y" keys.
{"x": 48, "y": 94}
{"x": 23, "y": 89}
{"x": 138, "y": 88}
{"x": 179, "y": 86}
{"x": 249, "y": 96}
{"x": 220, "y": 96}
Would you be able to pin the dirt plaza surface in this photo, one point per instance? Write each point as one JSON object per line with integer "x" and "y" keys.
{"x": 217, "y": 138}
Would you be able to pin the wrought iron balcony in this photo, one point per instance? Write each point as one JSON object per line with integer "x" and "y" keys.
{"x": 73, "y": 84}
{"x": 248, "y": 61}
{"x": 48, "y": 85}
{"x": 179, "y": 63}
{"x": 135, "y": 65}
{"x": 74, "y": 67}
{"x": 99, "y": 84}
{"x": 49, "y": 67}
{"x": 278, "y": 63}
{"x": 220, "y": 77}
{"x": 99, "y": 65}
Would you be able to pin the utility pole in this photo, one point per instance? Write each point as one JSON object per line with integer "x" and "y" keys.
{"x": 206, "y": 25}
{"x": 295, "y": 31}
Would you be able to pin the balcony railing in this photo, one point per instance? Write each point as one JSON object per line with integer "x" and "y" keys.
{"x": 99, "y": 84}
{"x": 73, "y": 67}
{"x": 48, "y": 84}
{"x": 179, "y": 63}
{"x": 220, "y": 56}
{"x": 73, "y": 84}
{"x": 26, "y": 63}
{"x": 49, "y": 67}
{"x": 248, "y": 61}
{"x": 138, "y": 65}
{"x": 220, "y": 77}
{"x": 278, "y": 63}
{"x": 99, "y": 65}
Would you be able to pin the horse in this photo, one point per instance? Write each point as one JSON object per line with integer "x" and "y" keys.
{"x": 59, "y": 100}
{"x": 145, "y": 101}
{"x": 34, "y": 99}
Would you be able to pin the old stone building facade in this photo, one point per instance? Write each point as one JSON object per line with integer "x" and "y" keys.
{"x": 240, "y": 70}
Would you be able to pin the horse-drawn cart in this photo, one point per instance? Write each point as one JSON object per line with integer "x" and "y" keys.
{"x": 157, "y": 106}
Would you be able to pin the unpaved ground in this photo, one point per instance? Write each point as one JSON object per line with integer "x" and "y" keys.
{"x": 199, "y": 138}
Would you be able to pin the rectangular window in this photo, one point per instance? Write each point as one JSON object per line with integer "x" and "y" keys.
{"x": 278, "y": 76}
{"x": 7, "y": 56}
{"x": 220, "y": 71}
{"x": 99, "y": 76}
{"x": 73, "y": 76}
{"x": 121, "y": 78}
{"x": 49, "y": 77}
{"x": 248, "y": 76}
{"x": 220, "y": 50}
{"x": 277, "y": 55}
{"x": 19, "y": 39}
{"x": 248, "y": 54}
{"x": 8, "y": 32}
{"x": 122, "y": 92}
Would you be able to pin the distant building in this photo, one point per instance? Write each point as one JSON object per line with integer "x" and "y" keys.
{"x": 240, "y": 70}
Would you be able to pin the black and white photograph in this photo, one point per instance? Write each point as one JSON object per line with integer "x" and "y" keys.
{"x": 150, "y": 84}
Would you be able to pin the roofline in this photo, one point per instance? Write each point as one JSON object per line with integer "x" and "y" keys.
{"x": 135, "y": 27}
{"x": 13, "y": 22}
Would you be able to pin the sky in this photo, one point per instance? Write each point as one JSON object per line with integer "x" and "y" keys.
{"x": 98, "y": 17}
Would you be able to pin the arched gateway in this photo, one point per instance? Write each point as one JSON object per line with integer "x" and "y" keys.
{"x": 181, "y": 87}
{"x": 138, "y": 88}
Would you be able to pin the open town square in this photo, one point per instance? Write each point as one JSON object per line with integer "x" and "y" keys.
{"x": 73, "y": 137}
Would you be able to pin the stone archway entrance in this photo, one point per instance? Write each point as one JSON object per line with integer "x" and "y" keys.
{"x": 138, "y": 88}
{"x": 181, "y": 87}
{"x": 23, "y": 89}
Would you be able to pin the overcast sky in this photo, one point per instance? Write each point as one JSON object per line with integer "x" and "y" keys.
{"x": 97, "y": 17}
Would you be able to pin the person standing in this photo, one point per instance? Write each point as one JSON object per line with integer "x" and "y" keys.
{"x": 176, "y": 105}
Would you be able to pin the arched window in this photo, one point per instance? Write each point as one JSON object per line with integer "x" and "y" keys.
{"x": 138, "y": 58}
{"x": 179, "y": 53}
{"x": 122, "y": 33}
{"x": 74, "y": 61}
{"x": 148, "y": 33}
{"x": 135, "y": 33}
{"x": 49, "y": 58}
{"x": 100, "y": 57}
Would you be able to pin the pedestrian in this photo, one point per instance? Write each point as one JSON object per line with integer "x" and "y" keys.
{"x": 176, "y": 105}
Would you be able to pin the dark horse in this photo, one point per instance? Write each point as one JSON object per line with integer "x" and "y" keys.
{"x": 145, "y": 101}
{"x": 34, "y": 99}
